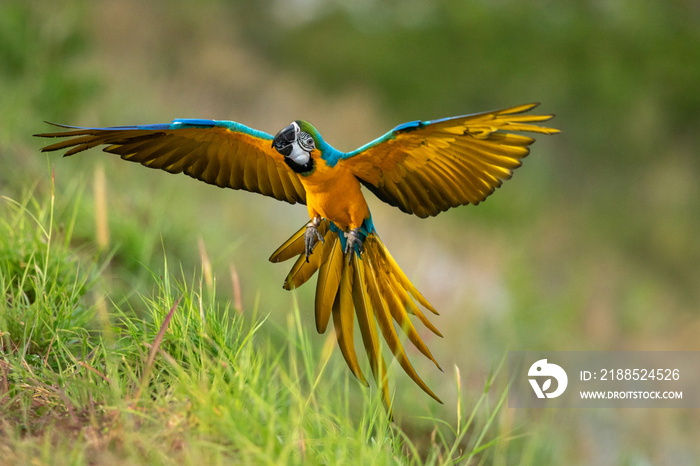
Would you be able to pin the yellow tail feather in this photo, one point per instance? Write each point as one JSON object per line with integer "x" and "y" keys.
{"x": 328, "y": 283}
{"x": 368, "y": 330}
{"x": 370, "y": 290}
{"x": 344, "y": 322}
{"x": 294, "y": 246}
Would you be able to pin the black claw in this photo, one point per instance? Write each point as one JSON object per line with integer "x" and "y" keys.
{"x": 311, "y": 236}
{"x": 353, "y": 239}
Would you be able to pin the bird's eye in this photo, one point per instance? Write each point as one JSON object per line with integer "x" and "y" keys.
{"x": 306, "y": 141}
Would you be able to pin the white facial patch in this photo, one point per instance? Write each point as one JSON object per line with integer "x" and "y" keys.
{"x": 298, "y": 154}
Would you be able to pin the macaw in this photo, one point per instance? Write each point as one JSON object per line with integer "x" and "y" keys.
{"x": 421, "y": 167}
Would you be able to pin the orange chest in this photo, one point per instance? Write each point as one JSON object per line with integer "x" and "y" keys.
{"x": 335, "y": 194}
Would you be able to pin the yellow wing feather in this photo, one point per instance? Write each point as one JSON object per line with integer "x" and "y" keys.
{"x": 216, "y": 155}
{"x": 429, "y": 167}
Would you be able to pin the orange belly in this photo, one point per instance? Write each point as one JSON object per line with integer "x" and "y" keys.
{"x": 335, "y": 194}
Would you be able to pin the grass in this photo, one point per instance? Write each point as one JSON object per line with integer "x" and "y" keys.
{"x": 569, "y": 255}
{"x": 177, "y": 376}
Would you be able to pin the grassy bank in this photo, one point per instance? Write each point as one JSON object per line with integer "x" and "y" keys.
{"x": 179, "y": 377}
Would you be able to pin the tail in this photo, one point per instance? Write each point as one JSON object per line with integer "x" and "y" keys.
{"x": 374, "y": 287}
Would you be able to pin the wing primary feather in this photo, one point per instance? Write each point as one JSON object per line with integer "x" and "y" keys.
{"x": 434, "y": 189}
{"x": 481, "y": 160}
{"x": 390, "y": 194}
{"x": 145, "y": 147}
{"x": 288, "y": 186}
{"x": 468, "y": 181}
{"x": 520, "y": 109}
{"x": 451, "y": 176}
{"x": 226, "y": 167}
{"x": 210, "y": 166}
{"x": 236, "y": 176}
{"x": 419, "y": 191}
{"x": 443, "y": 190}
{"x": 276, "y": 184}
{"x": 250, "y": 179}
{"x": 263, "y": 183}
{"x": 476, "y": 182}
{"x": 176, "y": 163}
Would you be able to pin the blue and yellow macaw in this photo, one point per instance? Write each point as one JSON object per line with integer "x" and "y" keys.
{"x": 421, "y": 167}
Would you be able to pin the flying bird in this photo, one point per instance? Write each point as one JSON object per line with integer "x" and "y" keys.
{"x": 421, "y": 167}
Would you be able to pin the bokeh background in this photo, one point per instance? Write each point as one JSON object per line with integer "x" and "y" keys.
{"x": 593, "y": 245}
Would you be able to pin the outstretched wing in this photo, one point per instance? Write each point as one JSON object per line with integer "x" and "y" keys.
{"x": 426, "y": 167}
{"x": 222, "y": 153}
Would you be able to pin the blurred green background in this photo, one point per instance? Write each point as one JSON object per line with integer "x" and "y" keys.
{"x": 592, "y": 246}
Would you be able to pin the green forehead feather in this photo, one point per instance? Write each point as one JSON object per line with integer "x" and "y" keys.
{"x": 309, "y": 128}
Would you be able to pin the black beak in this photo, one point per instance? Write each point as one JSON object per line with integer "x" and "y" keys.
{"x": 284, "y": 140}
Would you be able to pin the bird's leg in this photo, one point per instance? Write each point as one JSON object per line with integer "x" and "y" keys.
{"x": 354, "y": 243}
{"x": 311, "y": 236}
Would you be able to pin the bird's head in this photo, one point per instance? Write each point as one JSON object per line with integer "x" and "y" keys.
{"x": 297, "y": 142}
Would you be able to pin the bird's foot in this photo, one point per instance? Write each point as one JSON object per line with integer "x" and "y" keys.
{"x": 311, "y": 236}
{"x": 353, "y": 244}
